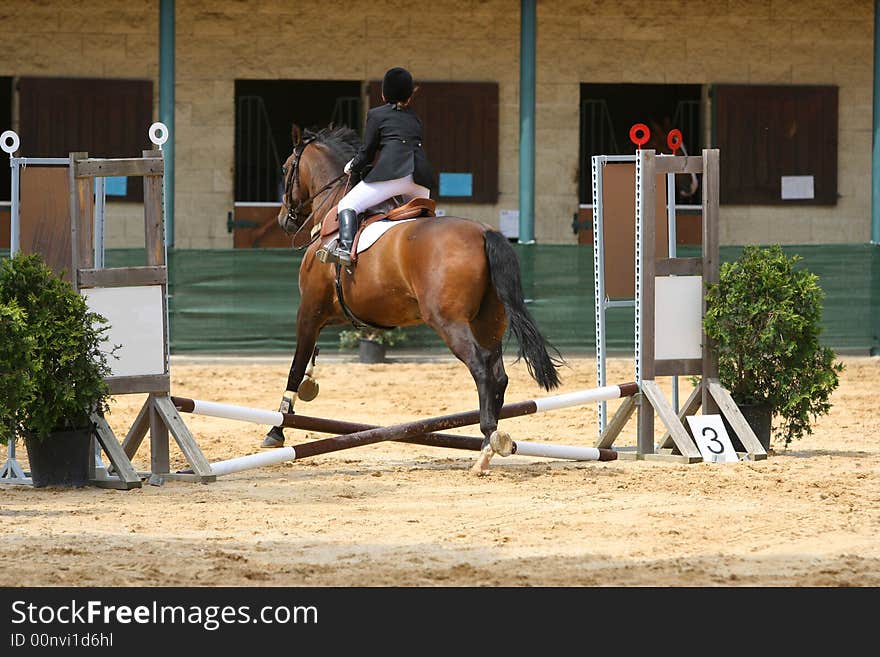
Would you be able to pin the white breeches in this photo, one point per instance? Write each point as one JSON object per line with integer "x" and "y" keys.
{"x": 365, "y": 195}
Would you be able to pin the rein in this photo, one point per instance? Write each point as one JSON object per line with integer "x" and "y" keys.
{"x": 295, "y": 209}
{"x": 310, "y": 220}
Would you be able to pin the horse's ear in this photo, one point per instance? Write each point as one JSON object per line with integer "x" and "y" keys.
{"x": 295, "y": 133}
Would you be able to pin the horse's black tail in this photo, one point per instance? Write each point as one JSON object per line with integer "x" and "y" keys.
{"x": 505, "y": 275}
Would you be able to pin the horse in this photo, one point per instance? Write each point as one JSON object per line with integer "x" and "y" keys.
{"x": 458, "y": 276}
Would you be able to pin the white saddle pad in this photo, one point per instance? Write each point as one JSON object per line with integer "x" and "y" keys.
{"x": 371, "y": 233}
{"x": 375, "y": 230}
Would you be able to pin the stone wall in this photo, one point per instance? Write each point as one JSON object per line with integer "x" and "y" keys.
{"x": 646, "y": 41}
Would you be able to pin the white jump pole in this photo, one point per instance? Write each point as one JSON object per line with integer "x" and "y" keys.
{"x": 564, "y": 452}
{"x": 276, "y": 418}
{"x": 366, "y": 434}
{"x": 232, "y": 412}
{"x": 259, "y": 460}
{"x": 521, "y": 448}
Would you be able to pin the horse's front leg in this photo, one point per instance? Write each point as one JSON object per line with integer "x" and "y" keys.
{"x": 307, "y": 336}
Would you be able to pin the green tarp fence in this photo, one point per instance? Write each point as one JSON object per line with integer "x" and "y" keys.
{"x": 245, "y": 300}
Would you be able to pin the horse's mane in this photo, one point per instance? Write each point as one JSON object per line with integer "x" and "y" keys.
{"x": 342, "y": 142}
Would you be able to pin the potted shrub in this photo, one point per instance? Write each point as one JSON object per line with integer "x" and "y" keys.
{"x": 61, "y": 371}
{"x": 764, "y": 316}
{"x": 16, "y": 386}
{"x": 372, "y": 344}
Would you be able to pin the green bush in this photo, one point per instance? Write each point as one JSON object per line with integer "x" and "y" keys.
{"x": 64, "y": 365}
{"x": 764, "y": 316}
{"x": 350, "y": 338}
{"x": 16, "y": 385}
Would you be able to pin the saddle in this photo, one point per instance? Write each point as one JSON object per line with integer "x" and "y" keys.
{"x": 417, "y": 207}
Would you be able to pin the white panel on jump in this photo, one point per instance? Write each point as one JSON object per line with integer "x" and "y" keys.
{"x": 678, "y": 324}
{"x": 135, "y": 314}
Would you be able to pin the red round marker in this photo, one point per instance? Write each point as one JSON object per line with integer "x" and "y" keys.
{"x": 639, "y": 139}
{"x": 673, "y": 140}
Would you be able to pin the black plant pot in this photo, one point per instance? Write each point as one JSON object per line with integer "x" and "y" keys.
{"x": 759, "y": 418}
{"x": 61, "y": 459}
{"x": 371, "y": 352}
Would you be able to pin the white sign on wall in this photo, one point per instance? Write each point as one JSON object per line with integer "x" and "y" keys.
{"x": 508, "y": 222}
{"x": 712, "y": 439}
{"x": 797, "y": 187}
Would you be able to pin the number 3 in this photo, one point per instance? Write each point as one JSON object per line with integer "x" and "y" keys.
{"x": 713, "y": 439}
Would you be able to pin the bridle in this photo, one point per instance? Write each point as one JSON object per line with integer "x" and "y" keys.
{"x": 295, "y": 209}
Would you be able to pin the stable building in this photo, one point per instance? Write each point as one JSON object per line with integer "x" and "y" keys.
{"x": 515, "y": 96}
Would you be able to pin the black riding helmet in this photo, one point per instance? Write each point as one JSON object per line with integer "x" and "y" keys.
{"x": 397, "y": 86}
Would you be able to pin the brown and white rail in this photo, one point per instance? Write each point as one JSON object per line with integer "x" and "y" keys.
{"x": 423, "y": 432}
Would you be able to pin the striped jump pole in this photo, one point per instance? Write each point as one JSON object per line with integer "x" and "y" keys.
{"x": 419, "y": 431}
{"x": 311, "y": 423}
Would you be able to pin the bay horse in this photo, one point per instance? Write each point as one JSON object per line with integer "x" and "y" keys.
{"x": 456, "y": 275}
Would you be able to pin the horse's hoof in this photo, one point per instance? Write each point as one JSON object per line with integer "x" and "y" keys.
{"x": 275, "y": 438}
{"x": 308, "y": 390}
{"x": 481, "y": 467}
{"x": 270, "y": 441}
{"x": 501, "y": 443}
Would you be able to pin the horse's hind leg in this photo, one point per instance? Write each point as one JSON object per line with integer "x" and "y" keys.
{"x": 494, "y": 441}
{"x": 487, "y": 368}
{"x": 307, "y": 336}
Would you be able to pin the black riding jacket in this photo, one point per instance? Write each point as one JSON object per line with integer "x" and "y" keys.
{"x": 397, "y": 136}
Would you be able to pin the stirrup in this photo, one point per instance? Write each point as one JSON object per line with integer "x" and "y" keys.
{"x": 326, "y": 252}
{"x": 342, "y": 256}
{"x": 333, "y": 255}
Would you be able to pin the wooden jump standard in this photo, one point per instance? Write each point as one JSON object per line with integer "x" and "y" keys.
{"x": 418, "y": 431}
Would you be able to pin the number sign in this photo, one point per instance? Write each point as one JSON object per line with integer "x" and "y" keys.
{"x": 712, "y": 438}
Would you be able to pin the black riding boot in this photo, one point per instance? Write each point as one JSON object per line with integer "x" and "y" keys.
{"x": 347, "y": 229}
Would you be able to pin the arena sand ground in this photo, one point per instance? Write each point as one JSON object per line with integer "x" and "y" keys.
{"x": 404, "y": 515}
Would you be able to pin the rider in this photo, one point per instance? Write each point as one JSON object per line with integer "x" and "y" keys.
{"x": 395, "y": 131}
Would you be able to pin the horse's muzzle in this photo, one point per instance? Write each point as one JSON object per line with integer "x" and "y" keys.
{"x": 287, "y": 219}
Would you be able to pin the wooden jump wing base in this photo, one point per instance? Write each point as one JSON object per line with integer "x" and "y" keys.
{"x": 676, "y": 444}
{"x": 121, "y": 474}
{"x": 754, "y": 449}
{"x": 159, "y": 416}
